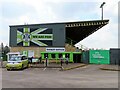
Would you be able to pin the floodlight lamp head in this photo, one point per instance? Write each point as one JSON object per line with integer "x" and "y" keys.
{"x": 102, "y": 4}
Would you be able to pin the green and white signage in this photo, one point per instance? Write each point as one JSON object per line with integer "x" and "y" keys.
{"x": 99, "y": 56}
{"x": 38, "y": 37}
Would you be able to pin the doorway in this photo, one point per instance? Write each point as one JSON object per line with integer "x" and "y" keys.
{"x": 77, "y": 58}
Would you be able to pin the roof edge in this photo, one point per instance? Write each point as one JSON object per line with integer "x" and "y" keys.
{"x": 60, "y": 23}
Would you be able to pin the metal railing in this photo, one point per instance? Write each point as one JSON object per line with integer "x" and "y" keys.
{"x": 70, "y": 41}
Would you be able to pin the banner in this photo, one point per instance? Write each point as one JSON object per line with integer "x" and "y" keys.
{"x": 34, "y": 37}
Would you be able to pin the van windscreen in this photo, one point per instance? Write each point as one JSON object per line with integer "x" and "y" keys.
{"x": 15, "y": 58}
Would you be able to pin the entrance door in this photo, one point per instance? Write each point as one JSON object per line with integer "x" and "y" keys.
{"x": 77, "y": 58}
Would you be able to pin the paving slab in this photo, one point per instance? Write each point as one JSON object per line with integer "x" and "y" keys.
{"x": 64, "y": 66}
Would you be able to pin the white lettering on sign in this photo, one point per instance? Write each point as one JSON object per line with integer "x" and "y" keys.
{"x": 55, "y": 49}
{"x": 97, "y": 55}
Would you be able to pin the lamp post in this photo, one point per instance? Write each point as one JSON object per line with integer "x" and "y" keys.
{"x": 102, "y": 9}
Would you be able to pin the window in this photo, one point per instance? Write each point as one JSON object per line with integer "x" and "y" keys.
{"x": 67, "y": 55}
{"x": 23, "y": 57}
{"x": 15, "y": 58}
{"x": 60, "y": 55}
{"x": 53, "y": 55}
{"x": 45, "y": 55}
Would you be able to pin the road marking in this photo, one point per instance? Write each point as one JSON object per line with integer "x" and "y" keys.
{"x": 44, "y": 69}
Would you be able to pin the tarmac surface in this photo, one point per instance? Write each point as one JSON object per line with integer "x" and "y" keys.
{"x": 89, "y": 76}
{"x": 70, "y": 66}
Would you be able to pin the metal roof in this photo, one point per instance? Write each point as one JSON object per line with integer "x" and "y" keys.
{"x": 58, "y": 23}
{"x": 77, "y": 31}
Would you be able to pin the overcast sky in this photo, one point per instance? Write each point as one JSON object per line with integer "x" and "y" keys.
{"x": 19, "y": 12}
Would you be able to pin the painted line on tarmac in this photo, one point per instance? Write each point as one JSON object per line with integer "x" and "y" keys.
{"x": 65, "y": 69}
{"x": 44, "y": 69}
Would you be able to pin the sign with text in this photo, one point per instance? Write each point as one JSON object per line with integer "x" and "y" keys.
{"x": 55, "y": 49}
{"x": 34, "y": 37}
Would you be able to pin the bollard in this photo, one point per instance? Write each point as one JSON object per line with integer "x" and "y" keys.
{"x": 46, "y": 62}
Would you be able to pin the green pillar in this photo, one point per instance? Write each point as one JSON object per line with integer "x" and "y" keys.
{"x": 71, "y": 57}
{"x": 42, "y": 55}
{"x": 50, "y": 57}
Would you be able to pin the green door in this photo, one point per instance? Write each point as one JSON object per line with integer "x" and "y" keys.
{"x": 25, "y": 53}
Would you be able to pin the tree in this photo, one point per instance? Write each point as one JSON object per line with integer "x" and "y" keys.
{"x": 2, "y": 47}
{"x": 1, "y": 52}
{"x": 6, "y": 49}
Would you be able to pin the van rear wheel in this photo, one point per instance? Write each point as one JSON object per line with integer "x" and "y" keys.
{"x": 8, "y": 69}
{"x": 27, "y": 65}
{"x": 22, "y": 67}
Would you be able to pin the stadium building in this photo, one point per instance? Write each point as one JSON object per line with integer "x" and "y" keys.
{"x": 38, "y": 39}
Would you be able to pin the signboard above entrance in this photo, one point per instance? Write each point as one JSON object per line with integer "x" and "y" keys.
{"x": 55, "y": 49}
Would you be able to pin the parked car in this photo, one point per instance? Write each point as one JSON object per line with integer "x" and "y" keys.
{"x": 17, "y": 62}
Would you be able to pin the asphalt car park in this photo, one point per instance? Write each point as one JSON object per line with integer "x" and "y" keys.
{"x": 89, "y": 76}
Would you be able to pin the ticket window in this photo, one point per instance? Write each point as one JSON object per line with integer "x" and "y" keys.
{"x": 53, "y": 56}
{"x": 46, "y": 55}
{"x": 67, "y": 55}
{"x": 60, "y": 55}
